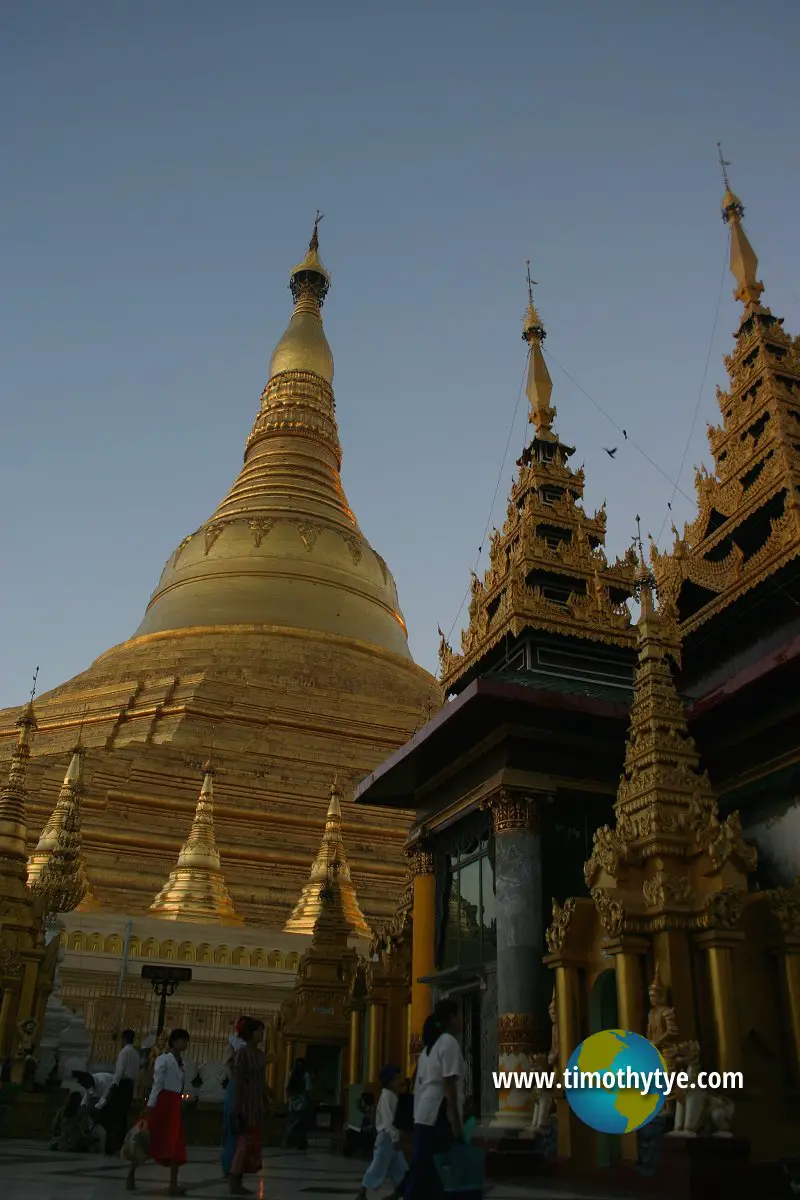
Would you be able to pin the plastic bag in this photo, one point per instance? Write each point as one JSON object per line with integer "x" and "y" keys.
{"x": 136, "y": 1147}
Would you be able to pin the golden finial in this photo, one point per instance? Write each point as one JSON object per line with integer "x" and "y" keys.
{"x": 309, "y": 281}
{"x": 196, "y": 890}
{"x": 539, "y": 387}
{"x": 532, "y": 325}
{"x": 744, "y": 263}
{"x": 313, "y": 245}
{"x": 13, "y": 817}
{"x": 331, "y": 857}
{"x": 56, "y": 870}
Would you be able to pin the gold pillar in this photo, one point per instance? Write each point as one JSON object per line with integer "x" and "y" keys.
{"x": 28, "y": 990}
{"x": 575, "y": 1140}
{"x": 422, "y": 946}
{"x": 567, "y": 1012}
{"x": 628, "y": 953}
{"x": 8, "y": 1011}
{"x": 356, "y": 1042}
{"x": 375, "y": 1044}
{"x": 408, "y": 1064}
{"x": 719, "y": 957}
{"x": 790, "y": 969}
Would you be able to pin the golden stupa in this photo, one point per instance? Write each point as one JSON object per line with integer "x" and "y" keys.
{"x": 275, "y": 623}
{"x": 331, "y": 860}
{"x": 195, "y": 890}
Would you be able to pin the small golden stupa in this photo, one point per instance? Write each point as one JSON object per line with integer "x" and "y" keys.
{"x": 195, "y": 890}
{"x": 331, "y": 861}
{"x": 56, "y": 869}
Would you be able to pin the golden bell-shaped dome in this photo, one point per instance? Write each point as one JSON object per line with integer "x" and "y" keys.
{"x": 284, "y": 549}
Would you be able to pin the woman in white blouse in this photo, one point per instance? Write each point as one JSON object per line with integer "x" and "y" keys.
{"x": 164, "y": 1113}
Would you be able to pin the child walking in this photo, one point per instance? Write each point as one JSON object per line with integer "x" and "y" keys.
{"x": 388, "y": 1161}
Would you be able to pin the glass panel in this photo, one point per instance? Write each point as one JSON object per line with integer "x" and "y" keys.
{"x": 489, "y": 916}
{"x": 470, "y": 913}
{"x": 450, "y": 956}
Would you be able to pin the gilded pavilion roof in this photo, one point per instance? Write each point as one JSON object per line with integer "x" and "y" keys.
{"x": 748, "y": 521}
{"x": 547, "y": 566}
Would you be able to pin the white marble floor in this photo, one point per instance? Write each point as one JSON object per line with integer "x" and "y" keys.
{"x": 29, "y": 1171}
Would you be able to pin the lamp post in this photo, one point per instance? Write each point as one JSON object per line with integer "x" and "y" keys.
{"x": 165, "y": 980}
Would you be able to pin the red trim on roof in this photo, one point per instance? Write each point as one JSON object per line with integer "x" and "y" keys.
{"x": 757, "y": 670}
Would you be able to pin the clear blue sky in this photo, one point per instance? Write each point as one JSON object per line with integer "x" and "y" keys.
{"x": 162, "y": 164}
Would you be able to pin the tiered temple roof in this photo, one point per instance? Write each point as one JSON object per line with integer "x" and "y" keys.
{"x": 748, "y": 522}
{"x": 547, "y": 566}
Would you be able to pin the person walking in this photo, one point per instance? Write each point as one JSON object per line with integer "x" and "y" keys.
{"x": 248, "y": 1085}
{"x": 388, "y": 1160}
{"x": 438, "y": 1100}
{"x": 298, "y": 1096}
{"x": 120, "y": 1095}
{"x": 230, "y": 1135}
{"x": 164, "y": 1112}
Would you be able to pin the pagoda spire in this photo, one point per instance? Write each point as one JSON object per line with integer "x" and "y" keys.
{"x": 747, "y": 526}
{"x": 283, "y": 548}
{"x": 195, "y": 890}
{"x": 331, "y": 860}
{"x": 548, "y": 570}
{"x": 539, "y": 386}
{"x": 13, "y": 818}
{"x": 744, "y": 263}
{"x": 56, "y": 869}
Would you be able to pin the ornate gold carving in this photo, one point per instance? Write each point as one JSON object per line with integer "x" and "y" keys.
{"x": 10, "y": 963}
{"x": 420, "y": 861}
{"x": 181, "y": 547}
{"x": 723, "y": 909}
{"x": 212, "y": 532}
{"x": 355, "y": 545}
{"x": 785, "y": 904}
{"x": 517, "y": 1033}
{"x": 260, "y": 527}
{"x": 514, "y": 811}
{"x": 611, "y": 912}
{"x": 558, "y": 929}
{"x": 309, "y": 532}
{"x": 666, "y": 888}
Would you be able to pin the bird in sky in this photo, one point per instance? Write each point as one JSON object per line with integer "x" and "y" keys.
{"x": 612, "y": 452}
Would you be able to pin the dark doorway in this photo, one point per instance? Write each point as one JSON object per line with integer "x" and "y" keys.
{"x": 471, "y": 1020}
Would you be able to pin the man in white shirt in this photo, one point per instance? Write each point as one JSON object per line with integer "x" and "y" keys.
{"x": 119, "y": 1098}
{"x": 95, "y": 1090}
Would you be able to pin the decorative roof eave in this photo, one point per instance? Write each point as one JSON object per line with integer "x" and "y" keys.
{"x": 545, "y": 615}
{"x": 749, "y": 580}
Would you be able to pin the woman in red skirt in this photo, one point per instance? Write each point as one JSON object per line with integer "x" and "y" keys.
{"x": 164, "y": 1113}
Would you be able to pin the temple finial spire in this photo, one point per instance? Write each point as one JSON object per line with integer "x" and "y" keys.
{"x": 330, "y": 861}
{"x": 744, "y": 263}
{"x": 539, "y": 387}
{"x": 56, "y": 869}
{"x": 195, "y": 890}
{"x": 13, "y": 796}
{"x": 313, "y": 245}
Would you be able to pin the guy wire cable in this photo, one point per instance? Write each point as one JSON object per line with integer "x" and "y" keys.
{"x": 701, "y": 389}
{"x": 494, "y": 497}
